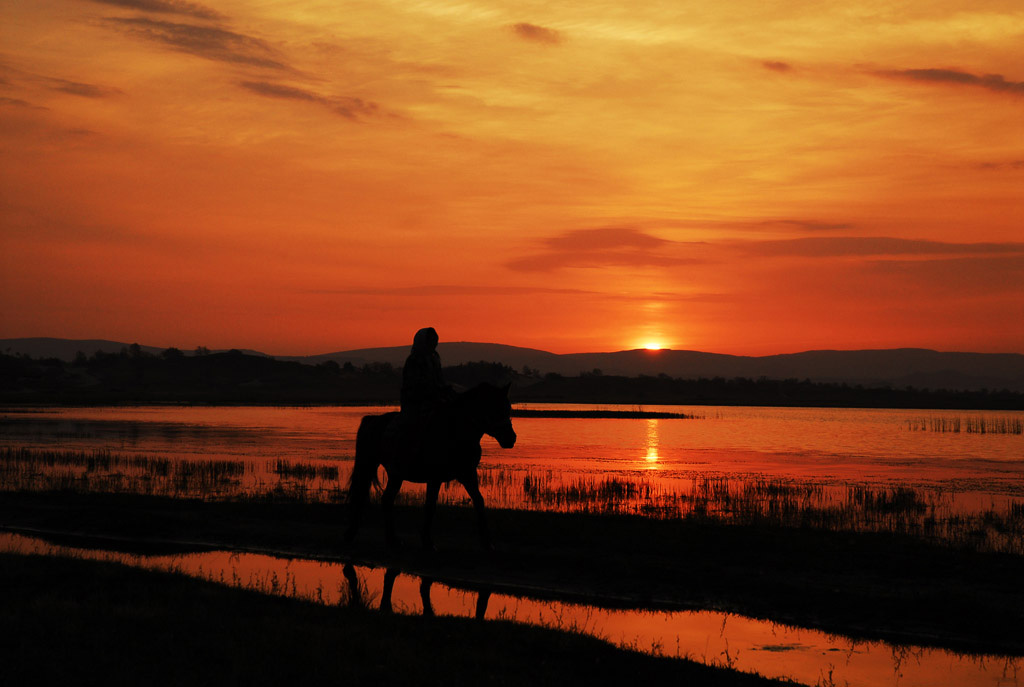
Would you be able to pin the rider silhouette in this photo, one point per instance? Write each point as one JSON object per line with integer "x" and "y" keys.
{"x": 423, "y": 388}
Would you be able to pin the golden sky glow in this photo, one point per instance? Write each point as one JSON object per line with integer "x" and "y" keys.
{"x": 307, "y": 176}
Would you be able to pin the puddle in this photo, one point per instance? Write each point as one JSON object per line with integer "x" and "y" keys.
{"x": 807, "y": 656}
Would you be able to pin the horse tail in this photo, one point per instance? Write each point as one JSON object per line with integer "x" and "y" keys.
{"x": 369, "y": 440}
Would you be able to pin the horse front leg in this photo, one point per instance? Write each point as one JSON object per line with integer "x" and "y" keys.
{"x": 428, "y": 514}
{"x": 387, "y": 501}
{"x": 473, "y": 489}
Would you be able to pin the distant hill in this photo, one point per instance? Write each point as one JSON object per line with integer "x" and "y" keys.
{"x": 901, "y": 367}
{"x": 921, "y": 368}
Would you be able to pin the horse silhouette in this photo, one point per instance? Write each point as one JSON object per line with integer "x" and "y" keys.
{"x": 440, "y": 447}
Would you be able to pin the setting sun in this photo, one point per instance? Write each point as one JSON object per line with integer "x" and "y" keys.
{"x": 652, "y": 346}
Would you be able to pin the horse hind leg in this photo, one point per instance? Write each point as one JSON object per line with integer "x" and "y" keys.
{"x": 387, "y": 501}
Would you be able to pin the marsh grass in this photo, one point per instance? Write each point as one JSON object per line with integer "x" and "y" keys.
{"x": 933, "y": 514}
{"x": 305, "y": 471}
{"x": 23, "y": 469}
{"x": 970, "y": 424}
{"x": 928, "y": 513}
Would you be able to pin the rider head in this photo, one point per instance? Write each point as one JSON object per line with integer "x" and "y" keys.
{"x": 423, "y": 388}
{"x": 425, "y": 340}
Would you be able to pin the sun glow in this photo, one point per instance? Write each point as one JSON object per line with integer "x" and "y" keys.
{"x": 652, "y": 346}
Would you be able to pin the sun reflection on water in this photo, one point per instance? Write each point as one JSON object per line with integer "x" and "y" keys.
{"x": 652, "y": 458}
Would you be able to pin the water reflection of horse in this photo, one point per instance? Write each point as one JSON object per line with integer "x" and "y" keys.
{"x": 357, "y": 595}
{"x": 444, "y": 447}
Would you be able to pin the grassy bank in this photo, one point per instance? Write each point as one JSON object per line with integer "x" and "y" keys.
{"x": 868, "y": 586}
{"x": 67, "y": 621}
{"x": 926, "y": 513}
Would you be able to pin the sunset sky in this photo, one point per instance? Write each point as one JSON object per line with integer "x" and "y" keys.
{"x": 309, "y": 176}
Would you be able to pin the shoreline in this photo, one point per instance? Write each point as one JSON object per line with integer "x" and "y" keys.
{"x": 863, "y": 586}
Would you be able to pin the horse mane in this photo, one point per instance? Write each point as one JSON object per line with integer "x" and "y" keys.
{"x": 478, "y": 392}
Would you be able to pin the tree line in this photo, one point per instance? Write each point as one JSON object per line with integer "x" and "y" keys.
{"x": 136, "y": 376}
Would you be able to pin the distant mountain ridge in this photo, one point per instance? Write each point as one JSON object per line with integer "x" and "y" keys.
{"x": 921, "y": 368}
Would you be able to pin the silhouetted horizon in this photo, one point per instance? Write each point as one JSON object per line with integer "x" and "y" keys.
{"x": 897, "y": 367}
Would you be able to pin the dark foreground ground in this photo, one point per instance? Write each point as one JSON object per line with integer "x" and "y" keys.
{"x": 74, "y": 622}
{"x": 860, "y": 585}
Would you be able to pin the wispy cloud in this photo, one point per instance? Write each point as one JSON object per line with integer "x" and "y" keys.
{"x": 18, "y": 102}
{"x": 838, "y": 246}
{"x": 190, "y": 9}
{"x": 603, "y": 238}
{"x": 441, "y": 290}
{"x": 954, "y": 77}
{"x": 347, "y": 107}
{"x": 602, "y": 247}
{"x": 20, "y": 78}
{"x": 777, "y": 66}
{"x": 203, "y": 41}
{"x": 958, "y": 277}
{"x": 86, "y": 90}
{"x": 538, "y": 34}
{"x": 808, "y": 225}
{"x": 463, "y": 291}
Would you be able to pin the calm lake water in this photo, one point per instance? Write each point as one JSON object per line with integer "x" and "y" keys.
{"x": 771, "y": 649}
{"x": 828, "y": 447}
{"x": 898, "y": 470}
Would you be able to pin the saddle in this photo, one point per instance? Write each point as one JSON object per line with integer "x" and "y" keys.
{"x": 416, "y": 434}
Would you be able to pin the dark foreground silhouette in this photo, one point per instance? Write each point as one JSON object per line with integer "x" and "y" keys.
{"x": 445, "y": 447}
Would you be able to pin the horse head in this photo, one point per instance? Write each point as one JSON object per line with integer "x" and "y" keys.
{"x": 496, "y": 413}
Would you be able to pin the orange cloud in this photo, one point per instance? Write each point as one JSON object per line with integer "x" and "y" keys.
{"x": 833, "y": 246}
{"x": 190, "y": 9}
{"x": 538, "y": 34}
{"x": 955, "y": 77}
{"x": 208, "y": 42}
{"x": 345, "y": 106}
{"x": 602, "y": 247}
